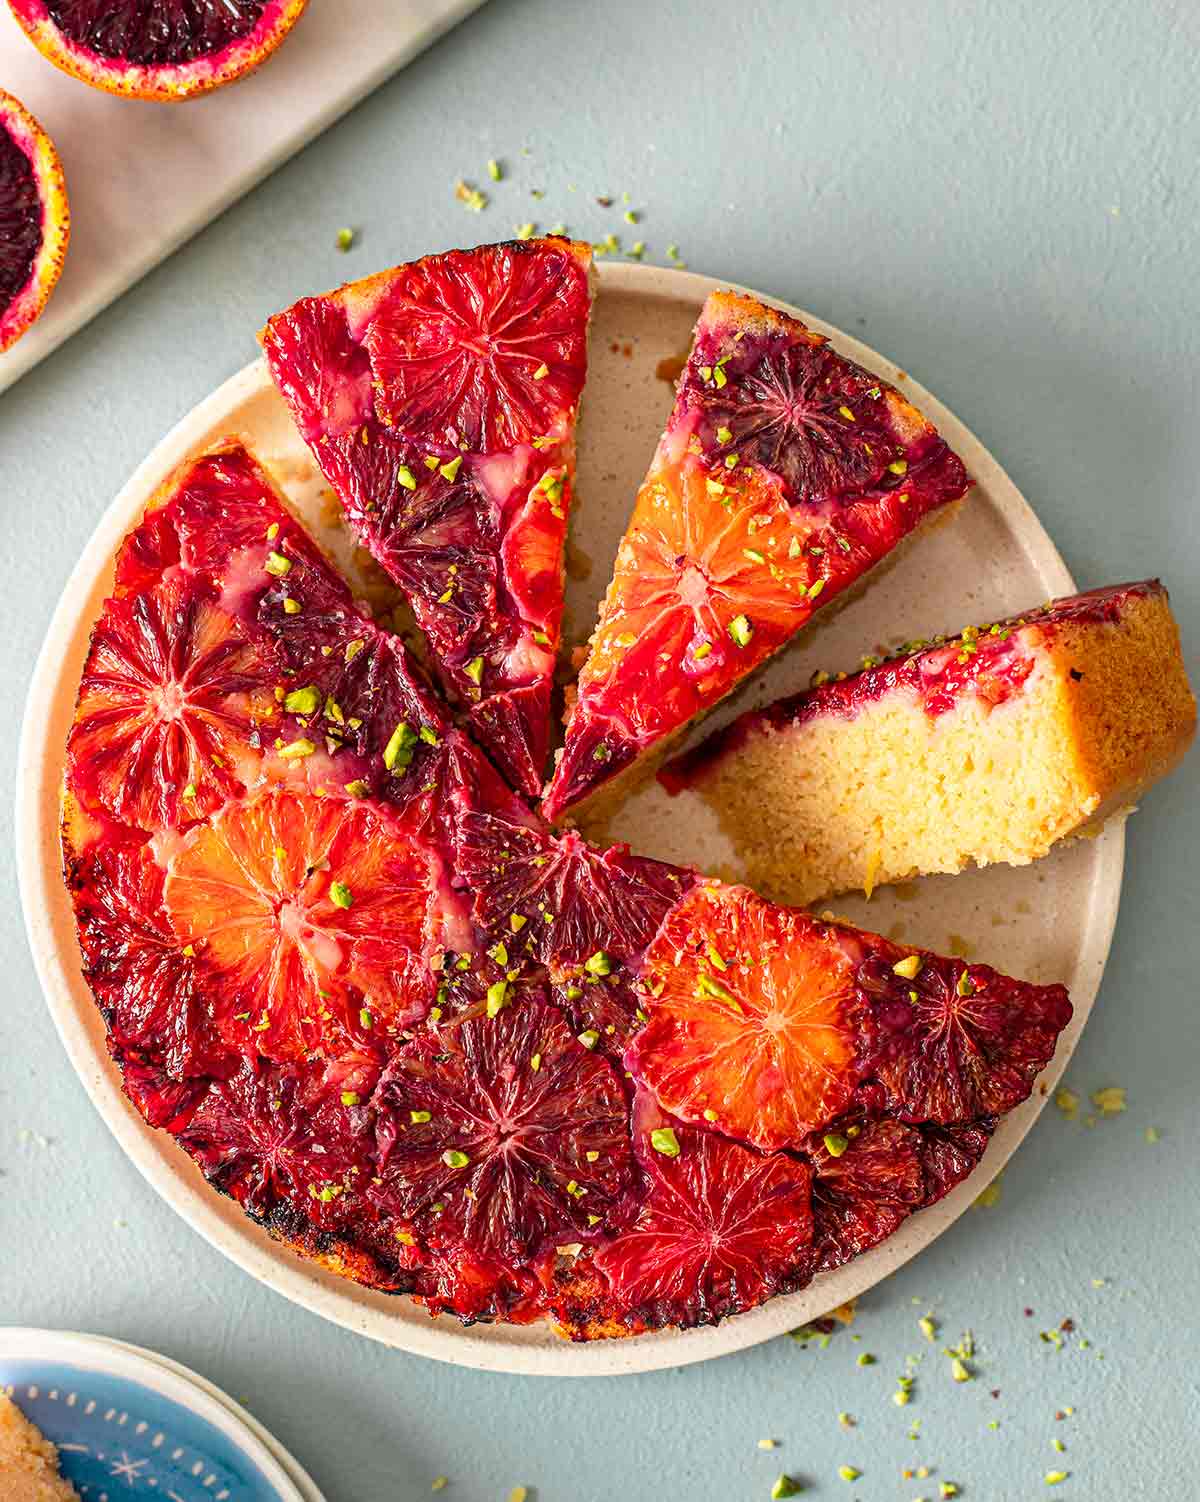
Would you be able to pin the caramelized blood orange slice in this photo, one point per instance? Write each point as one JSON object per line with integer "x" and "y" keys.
{"x": 869, "y": 1178}
{"x": 949, "y": 1154}
{"x": 144, "y": 983}
{"x": 956, "y": 1042}
{"x": 784, "y": 474}
{"x": 35, "y": 223}
{"x": 721, "y": 1229}
{"x": 307, "y": 917}
{"x": 165, "y": 724}
{"x": 273, "y": 1133}
{"x": 439, "y": 399}
{"x": 754, "y": 1019}
{"x": 161, "y": 1099}
{"x": 157, "y": 49}
{"x": 503, "y": 1132}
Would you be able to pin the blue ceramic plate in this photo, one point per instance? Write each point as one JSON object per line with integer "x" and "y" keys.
{"x": 127, "y": 1425}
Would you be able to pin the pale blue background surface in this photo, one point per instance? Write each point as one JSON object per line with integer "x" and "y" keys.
{"x": 1002, "y": 197}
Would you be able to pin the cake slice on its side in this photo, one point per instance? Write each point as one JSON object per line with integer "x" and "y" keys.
{"x": 439, "y": 399}
{"x": 28, "y": 1461}
{"x": 785, "y": 473}
{"x": 991, "y": 746}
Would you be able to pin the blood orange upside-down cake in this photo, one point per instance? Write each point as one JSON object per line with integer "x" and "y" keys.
{"x": 785, "y": 474}
{"x": 438, "y": 1048}
{"x": 439, "y": 399}
{"x": 992, "y": 745}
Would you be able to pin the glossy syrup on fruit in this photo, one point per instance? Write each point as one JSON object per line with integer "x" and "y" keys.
{"x": 167, "y": 31}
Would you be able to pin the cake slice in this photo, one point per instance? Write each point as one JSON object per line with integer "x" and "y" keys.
{"x": 28, "y": 1461}
{"x": 439, "y": 399}
{"x": 785, "y": 473}
{"x": 990, "y": 746}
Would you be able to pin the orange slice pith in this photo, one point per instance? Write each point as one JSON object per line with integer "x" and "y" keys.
{"x": 166, "y": 710}
{"x": 307, "y": 917}
{"x": 754, "y": 1020}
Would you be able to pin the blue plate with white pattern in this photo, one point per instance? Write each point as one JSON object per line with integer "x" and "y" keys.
{"x": 127, "y": 1425}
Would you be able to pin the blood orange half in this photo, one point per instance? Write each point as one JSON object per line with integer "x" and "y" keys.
{"x": 784, "y": 474}
{"x": 35, "y": 223}
{"x": 307, "y": 917}
{"x": 157, "y": 49}
{"x": 439, "y": 399}
{"x": 755, "y": 1022}
{"x": 721, "y": 1229}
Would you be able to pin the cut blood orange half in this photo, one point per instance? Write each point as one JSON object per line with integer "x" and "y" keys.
{"x": 439, "y": 399}
{"x": 784, "y": 474}
{"x": 307, "y": 919}
{"x": 721, "y": 1229}
{"x": 35, "y": 223}
{"x": 755, "y": 1022}
{"x": 157, "y": 49}
{"x": 503, "y": 1133}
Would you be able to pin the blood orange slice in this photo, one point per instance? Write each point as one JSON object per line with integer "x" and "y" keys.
{"x": 721, "y": 1230}
{"x": 949, "y": 1154}
{"x": 784, "y": 474}
{"x": 956, "y": 1042}
{"x": 165, "y": 725}
{"x": 144, "y": 983}
{"x": 869, "y": 1178}
{"x": 157, "y": 49}
{"x": 755, "y": 1022}
{"x": 504, "y": 1133}
{"x": 307, "y": 917}
{"x": 35, "y": 223}
{"x": 161, "y": 1099}
{"x": 273, "y": 1133}
{"x": 440, "y": 399}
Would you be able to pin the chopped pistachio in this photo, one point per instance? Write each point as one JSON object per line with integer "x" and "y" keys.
{"x": 474, "y": 670}
{"x": 365, "y": 1019}
{"x": 815, "y": 588}
{"x": 418, "y": 1118}
{"x": 1055, "y": 1478}
{"x": 909, "y": 967}
{"x": 835, "y": 1144}
{"x": 785, "y": 1486}
{"x": 589, "y": 1038}
{"x": 541, "y": 372}
{"x": 296, "y": 750}
{"x": 469, "y": 197}
{"x": 516, "y": 922}
{"x": 353, "y": 648}
{"x": 440, "y": 1483}
{"x": 927, "y": 1328}
{"x": 495, "y": 171}
{"x": 575, "y": 1189}
{"x": 303, "y": 701}
{"x": 960, "y": 1371}
{"x": 449, "y": 470}
{"x": 278, "y": 565}
{"x": 898, "y": 466}
{"x": 663, "y": 1140}
{"x": 350, "y": 1097}
{"x": 340, "y": 894}
{"x": 345, "y": 239}
{"x": 948, "y": 1489}
{"x": 1110, "y": 1101}
{"x": 405, "y": 477}
{"x": 398, "y": 752}
{"x": 848, "y": 1473}
{"x": 519, "y": 1494}
{"x": 768, "y": 1444}
{"x": 740, "y": 630}
{"x": 866, "y": 1359}
{"x": 290, "y": 606}
{"x": 846, "y": 413}
{"x": 710, "y": 1115}
{"x": 358, "y": 788}
{"x": 453, "y": 1158}
{"x": 429, "y": 735}
{"x": 965, "y": 986}
{"x": 598, "y": 964}
{"x": 526, "y": 231}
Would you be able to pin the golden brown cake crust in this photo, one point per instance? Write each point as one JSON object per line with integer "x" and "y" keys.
{"x": 28, "y": 1461}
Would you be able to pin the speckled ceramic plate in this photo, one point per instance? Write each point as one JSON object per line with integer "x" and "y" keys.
{"x": 1049, "y": 922}
{"x": 126, "y": 1420}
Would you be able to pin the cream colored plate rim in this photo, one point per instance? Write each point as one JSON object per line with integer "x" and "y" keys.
{"x": 396, "y": 1321}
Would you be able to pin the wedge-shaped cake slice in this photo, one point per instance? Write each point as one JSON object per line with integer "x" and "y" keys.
{"x": 785, "y": 473}
{"x": 989, "y": 746}
{"x": 439, "y": 399}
